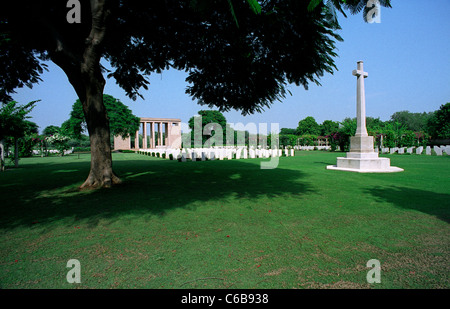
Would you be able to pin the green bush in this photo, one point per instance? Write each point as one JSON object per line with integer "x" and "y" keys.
{"x": 408, "y": 139}
{"x": 26, "y": 145}
{"x": 171, "y": 156}
{"x": 308, "y": 140}
{"x": 389, "y": 139}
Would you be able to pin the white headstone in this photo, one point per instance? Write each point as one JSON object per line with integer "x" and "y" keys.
{"x": 447, "y": 150}
{"x": 438, "y": 150}
{"x": 238, "y": 153}
{"x": 428, "y": 150}
{"x": 419, "y": 150}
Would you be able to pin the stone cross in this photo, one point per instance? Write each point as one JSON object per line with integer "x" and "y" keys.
{"x": 362, "y": 157}
{"x": 361, "y": 129}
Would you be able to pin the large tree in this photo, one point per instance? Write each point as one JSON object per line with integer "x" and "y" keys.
{"x": 13, "y": 124}
{"x": 328, "y": 127}
{"x": 439, "y": 123}
{"x": 50, "y": 130}
{"x": 211, "y": 128}
{"x": 308, "y": 126}
{"x": 236, "y": 59}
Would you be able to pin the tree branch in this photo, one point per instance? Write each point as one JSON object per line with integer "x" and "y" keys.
{"x": 94, "y": 42}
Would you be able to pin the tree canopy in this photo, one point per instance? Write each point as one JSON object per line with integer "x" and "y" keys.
{"x": 14, "y": 124}
{"x": 245, "y": 67}
{"x": 213, "y": 127}
{"x": 439, "y": 122}
{"x": 13, "y": 121}
{"x": 414, "y": 121}
{"x": 121, "y": 119}
{"x": 328, "y": 127}
{"x": 50, "y": 130}
{"x": 308, "y": 126}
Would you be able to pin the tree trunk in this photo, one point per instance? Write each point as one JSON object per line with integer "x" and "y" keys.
{"x": 16, "y": 152}
{"x": 89, "y": 87}
{"x": 85, "y": 75}
{"x": 101, "y": 173}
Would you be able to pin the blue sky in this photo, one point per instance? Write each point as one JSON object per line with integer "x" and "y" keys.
{"x": 407, "y": 56}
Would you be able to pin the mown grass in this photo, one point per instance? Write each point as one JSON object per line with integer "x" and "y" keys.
{"x": 225, "y": 224}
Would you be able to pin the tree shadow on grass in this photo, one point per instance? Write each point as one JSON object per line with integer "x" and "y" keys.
{"x": 432, "y": 203}
{"x": 149, "y": 187}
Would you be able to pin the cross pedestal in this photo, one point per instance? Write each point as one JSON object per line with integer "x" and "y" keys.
{"x": 362, "y": 158}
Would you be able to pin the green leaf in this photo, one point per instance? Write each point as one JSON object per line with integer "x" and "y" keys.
{"x": 313, "y": 4}
{"x": 254, "y": 5}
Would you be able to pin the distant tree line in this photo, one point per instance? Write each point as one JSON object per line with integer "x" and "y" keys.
{"x": 403, "y": 129}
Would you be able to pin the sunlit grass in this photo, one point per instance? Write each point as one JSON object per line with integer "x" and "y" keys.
{"x": 225, "y": 224}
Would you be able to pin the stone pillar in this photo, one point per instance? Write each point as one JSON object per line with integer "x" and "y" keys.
{"x": 136, "y": 141}
{"x": 160, "y": 132}
{"x": 144, "y": 139}
{"x": 152, "y": 139}
{"x": 166, "y": 138}
{"x": 169, "y": 135}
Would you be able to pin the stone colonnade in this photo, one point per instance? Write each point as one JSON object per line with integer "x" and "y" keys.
{"x": 156, "y": 133}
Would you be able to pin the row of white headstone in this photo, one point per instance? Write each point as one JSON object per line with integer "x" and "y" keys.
{"x": 439, "y": 150}
{"x": 204, "y": 154}
{"x": 309, "y": 148}
{"x": 66, "y": 152}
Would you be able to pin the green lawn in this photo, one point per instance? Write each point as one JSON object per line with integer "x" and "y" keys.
{"x": 226, "y": 224}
